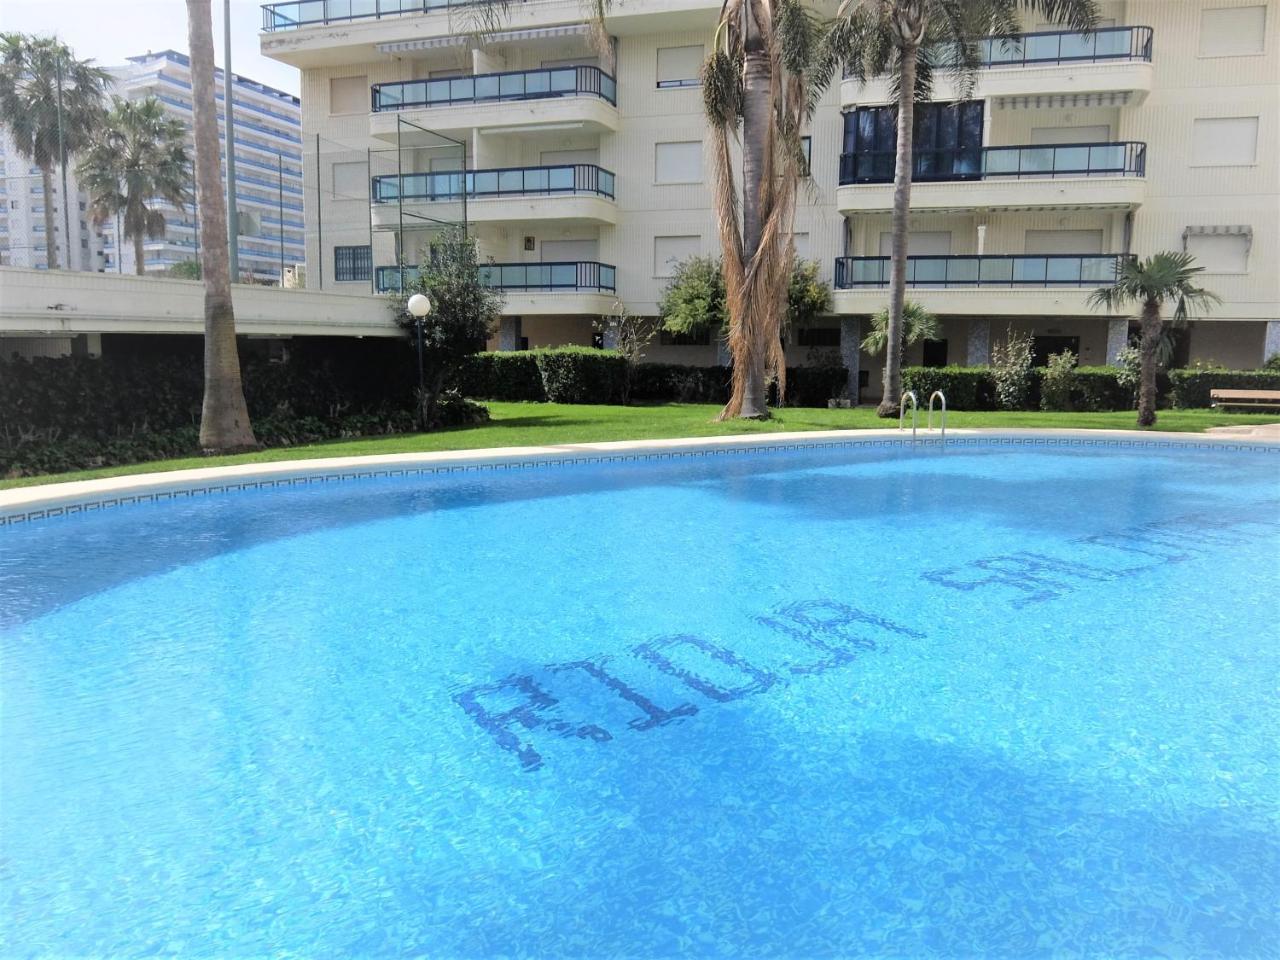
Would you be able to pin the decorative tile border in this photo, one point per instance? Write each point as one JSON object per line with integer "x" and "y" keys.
{"x": 552, "y": 460}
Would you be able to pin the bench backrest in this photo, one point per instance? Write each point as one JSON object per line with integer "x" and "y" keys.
{"x": 1244, "y": 394}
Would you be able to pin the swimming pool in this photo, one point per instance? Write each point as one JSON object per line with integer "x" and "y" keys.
{"x": 1006, "y": 698}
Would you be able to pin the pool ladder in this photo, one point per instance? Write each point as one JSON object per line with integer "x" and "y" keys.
{"x": 915, "y": 411}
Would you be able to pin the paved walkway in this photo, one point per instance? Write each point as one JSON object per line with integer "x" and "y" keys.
{"x": 1264, "y": 431}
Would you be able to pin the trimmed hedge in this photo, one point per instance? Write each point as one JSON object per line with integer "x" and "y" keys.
{"x": 507, "y": 375}
{"x": 1191, "y": 387}
{"x": 1098, "y": 389}
{"x": 676, "y": 383}
{"x": 582, "y": 375}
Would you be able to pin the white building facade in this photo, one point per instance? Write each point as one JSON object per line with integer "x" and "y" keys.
{"x": 586, "y": 181}
{"x": 268, "y": 157}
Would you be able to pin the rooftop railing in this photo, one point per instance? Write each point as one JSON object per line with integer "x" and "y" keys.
{"x": 304, "y": 13}
{"x": 585, "y": 275}
{"x": 996, "y": 270}
{"x": 1120, "y": 159}
{"x": 569, "y": 178}
{"x": 543, "y": 83}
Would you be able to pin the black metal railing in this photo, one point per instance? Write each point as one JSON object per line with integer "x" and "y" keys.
{"x": 543, "y": 83}
{"x": 1119, "y": 159}
{"x": 304, "y": 13}
{"x": 565, "y": 178}
{"x": 996, "y": 270}
{"x": 586, "y": 275}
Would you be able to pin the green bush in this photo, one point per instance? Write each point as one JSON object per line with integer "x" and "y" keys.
{"x": 1011, "y": 367}
{"x": 966, "y": 388}
{"x": 811, "y": 386}
{"x": 676, "y": 383}
{"x": 1273, "y": 363}
{"x": 502, "y": 375}
{"x": 1058, "y": 383}
{"x": 582, "y": 375}
{"x": 1191, "y": 388}
{"x": 1099, "y": 389}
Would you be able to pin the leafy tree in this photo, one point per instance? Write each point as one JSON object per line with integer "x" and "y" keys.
{"x": 917, "y": 324}
{"x": 32, "y": 72}
{"x": 464, "y": 313}
{"x": 908, "y": 41}
{"x": 140, "y": 156}
{"x": 186, "y": 270}
{"x": 632, "y": 336}
{"x": 224, "y": 416}
{"x": 1011, "y": 369}
{"x": 1151, "y": 284}
{"x": 808, "y": 295}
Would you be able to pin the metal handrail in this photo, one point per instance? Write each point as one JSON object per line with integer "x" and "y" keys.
{"x": 564, "y": 178}
{"x": 1115, "y": 158}
{"x": 938, "y": 394}
{"x": 536, "y": 84}
{"x": 973, "y": 270}
{"x": 902, "y": 411}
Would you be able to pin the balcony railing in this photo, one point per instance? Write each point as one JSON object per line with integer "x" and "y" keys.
{"x": 566, "y": 178}
{"x": 587, "y": 275}
{"x": 997, "y": 270}
{"x": 305, "y": 13}
{"x": 1121, "y": 159}
{"x": 541, "y": 84}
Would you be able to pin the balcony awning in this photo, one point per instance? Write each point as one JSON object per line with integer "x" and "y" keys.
{"x": 508, "y": 36}
{"x": 1231, "y": 230}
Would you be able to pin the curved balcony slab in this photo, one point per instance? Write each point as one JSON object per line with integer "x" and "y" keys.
{"x": 1004, "y": 193}
{"x": 588, "y": 113}
{"x": 974, "y": 301}
{"x": 568, "y": 209}
{"x": 1107, "y": 84}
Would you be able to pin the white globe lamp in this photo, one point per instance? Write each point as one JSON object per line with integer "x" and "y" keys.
{"x": 419, "y": 306}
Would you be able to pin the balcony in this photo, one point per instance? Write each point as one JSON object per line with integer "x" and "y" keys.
{"x": 572, "y": 287}
{"x": 1110, "y": 66}
{"x": 580, "y": 193}
{"x": 1073, "y": 176}
{"x": 992, "y": 285}
{"x": 305, "y": 13}
{"x": 581, "y": 95}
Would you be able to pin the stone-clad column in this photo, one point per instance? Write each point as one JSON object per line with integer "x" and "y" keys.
{"x": 609, "y": 336}
{"x": 851, "y": 352}
{"x": 1117, "y": 339}
{"x": 978, "y": 348}
{"x": 509, "y": 334}
{"x": 1271, "y": 341}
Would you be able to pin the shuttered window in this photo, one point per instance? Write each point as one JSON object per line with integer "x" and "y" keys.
{"x": 1220, "y": 253}
{"x": 351, "y": 181}
{"x": 670, "y": 251}
{"x": 679, "y": 66}
{"x": 679, "y": 162}
{"x": 352, "y": 263}
{"x": 349, "y": 95}
{"x": 1232, "y": 31}
{"x": 1224, "y": 141}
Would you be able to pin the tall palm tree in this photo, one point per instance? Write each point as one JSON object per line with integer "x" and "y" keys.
{"x": 1150, "y": 284}
{"x": 52, "y": 104}
{"x": 760, "y": 75}
{"x": 908, "y": 41}
{"x": 224, "y": 417}
{"x": 141, "y": 156}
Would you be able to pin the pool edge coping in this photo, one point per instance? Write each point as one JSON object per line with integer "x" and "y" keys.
{"x": 21, "y": 504}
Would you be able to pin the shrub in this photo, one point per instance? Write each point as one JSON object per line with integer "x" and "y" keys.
{"x": 811, "y": 386}
{"x": 1273, "y": 363}
{"x": 582, "y": 375}
{"x": 1058, "y": 382}
{"x": 502, "y": 375}
{"x": 1098, "y": 389}
{"x": 966, "y": 388}
{"x": 675, "y": 383}
{"x": 1191, "y": 388}
{"x": 1011, "y": 368}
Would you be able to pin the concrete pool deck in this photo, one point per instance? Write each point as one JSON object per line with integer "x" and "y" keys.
{"x": 55, "y": 499}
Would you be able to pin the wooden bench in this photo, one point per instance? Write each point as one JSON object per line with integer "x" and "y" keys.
{"x": 1245, "y": 398}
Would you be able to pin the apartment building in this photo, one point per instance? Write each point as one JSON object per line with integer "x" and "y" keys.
{"x": 585, "y": 177}
{"x": 268, "y": 160}
{"x": 24, "y": 241}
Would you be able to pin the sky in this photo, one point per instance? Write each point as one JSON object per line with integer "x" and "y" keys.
{"x": 108, "y": 32}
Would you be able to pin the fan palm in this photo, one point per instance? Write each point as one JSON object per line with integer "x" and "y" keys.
{"x": 141, "y": 156}
{"x": 52, "y": 104}
{"x": 909, "y": 41}
{"x": 224, "y": 416}
{"x": 917, "y": 324}
{"x": 1151, "y": 284}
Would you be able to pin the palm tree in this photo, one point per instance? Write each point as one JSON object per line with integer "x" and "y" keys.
{"x": 917, "y": 324}
{"x": 141, "y": 155}
{"x": 908, "y": 41}
{"x": 52, "y": 104}
{"x": 760, "y": 75}
{"x": 1151, "y": 284}
{"x": 224, "y": 417}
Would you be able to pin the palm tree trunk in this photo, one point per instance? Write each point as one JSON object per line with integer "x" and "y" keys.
{"x": 1151, "y": 324}
{"x": 901, "y": 208}
{"x": 757, "y": 114}
{"x": 139, "y": 255}
{"x": 224, "y": 418}
{"x": 50, "y": 225}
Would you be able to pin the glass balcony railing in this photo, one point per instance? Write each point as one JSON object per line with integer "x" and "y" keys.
{"x": 1123, "y": 159}
{"x": 304, "y": 13}
{"x": 997, "y": 270}
{"x": 586, "y": 275}
{"x": 569, "y": 178}
{"x": 544, "y": 83}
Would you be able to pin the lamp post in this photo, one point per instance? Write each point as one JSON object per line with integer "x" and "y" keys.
{"x": 419, "y": 306}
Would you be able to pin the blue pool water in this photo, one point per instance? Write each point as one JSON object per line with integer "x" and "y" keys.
{"x": 866, "y": 701}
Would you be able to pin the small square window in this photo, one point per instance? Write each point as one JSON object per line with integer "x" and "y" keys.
{"x": 352, "y": 263}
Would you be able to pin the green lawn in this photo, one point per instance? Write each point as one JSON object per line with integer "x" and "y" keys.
{"x": 543, "y": 424}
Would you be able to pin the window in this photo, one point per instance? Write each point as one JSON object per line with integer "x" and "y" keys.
{"x": 679, "y": 162}
{"x": 920, "y": 243}
{"x": 1220, "y": 252}
{"x": 801, "y": 242}
{"x": 679, "y": 66}
{"x": 669, "y": 251}
{"x": 82, "y": 205}
{"x": 933, "y": 353}
{"x": 1224, "y": 141}
{"x": 818, "y": 337}
{"x": 349, "y": 95}
{"x": 350, "y": 181}
{"x": 1062, "y": 241}
{"x": 947, "y": 143}
{"x": 806, "y": 147}
{"x": 1232, "y": 31}
{"x": 1042, "y": 348}
{"x": 352, "y": 263}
